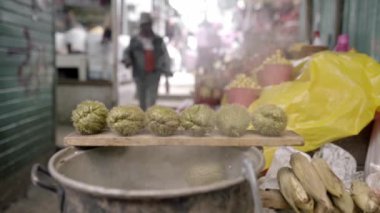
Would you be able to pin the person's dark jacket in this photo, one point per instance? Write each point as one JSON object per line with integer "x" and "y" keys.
{"x": 134, "y": 56}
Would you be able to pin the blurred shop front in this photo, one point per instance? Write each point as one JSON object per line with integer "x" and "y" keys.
{"x": 91, "y": 37}
{"x": 84, "y": 50}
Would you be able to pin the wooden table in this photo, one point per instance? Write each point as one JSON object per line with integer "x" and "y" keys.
{"x": 145, "y": 139}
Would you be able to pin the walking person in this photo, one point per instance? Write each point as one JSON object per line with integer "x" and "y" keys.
{"x": 148, "y": 56}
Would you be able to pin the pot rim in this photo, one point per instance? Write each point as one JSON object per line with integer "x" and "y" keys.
{"x": 138, "y": 194}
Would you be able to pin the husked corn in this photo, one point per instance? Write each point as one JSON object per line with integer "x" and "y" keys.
{"x": 310, "y": 179}
{"x": 362, "y": 197}
{"x": 332, "y": 183}
{"x": 293, "y": 191}
{"x": 344, "y": 203}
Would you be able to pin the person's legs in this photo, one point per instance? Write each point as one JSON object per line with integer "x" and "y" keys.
{"x": 141, "y": 92}
{"x": 152, "y": 83}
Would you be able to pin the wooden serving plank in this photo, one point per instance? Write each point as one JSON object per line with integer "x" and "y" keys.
{"x": 250, "y": 139}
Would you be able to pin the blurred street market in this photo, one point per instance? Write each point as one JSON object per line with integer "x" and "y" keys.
{"x": 166, "y": 106}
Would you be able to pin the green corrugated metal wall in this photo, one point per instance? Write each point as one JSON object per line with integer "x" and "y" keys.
{"x": 26, "y": 83}
{"x": 326, "y": 11}
{"x": 362, "y": 22}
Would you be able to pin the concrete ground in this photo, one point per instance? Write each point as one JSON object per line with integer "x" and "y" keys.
{"x": 39, "y": 200}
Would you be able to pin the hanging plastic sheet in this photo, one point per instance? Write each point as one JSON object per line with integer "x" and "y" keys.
{"x": 335, "y": 95}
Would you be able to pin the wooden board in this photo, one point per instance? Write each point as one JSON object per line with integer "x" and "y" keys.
{"x": 250, "y": 139}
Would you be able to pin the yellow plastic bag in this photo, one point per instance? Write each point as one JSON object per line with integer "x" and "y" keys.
{"x": 336, "y": 96}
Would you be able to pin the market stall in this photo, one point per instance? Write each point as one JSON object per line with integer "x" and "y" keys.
{"x": 259, "y": 136}
{"x": 210, "y": 155}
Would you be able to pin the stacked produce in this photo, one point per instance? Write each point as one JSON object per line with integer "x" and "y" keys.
{"x": 233, "y": 120}
{"x": 275, "y": 70}
{"x": 311, "y": 186}
{"x": 162, "y": 121}
{"x": 296, "y": 47}
{"x": 293, "y": 191}
{"x": 89, "y": 117}
{"x": 208, "y": 89}
{"x": 92, "y": 117}
{"x": 269, "y": 120}
{"x": 277, "y": 58}
{"x": 126, "y": 120}
{"x": 243, "y": 81}
{"x": 198, "y": 119}
{"x": 364, "y": 198}
{"x": 205, "y": 92}
{"x": 243, "y": 90}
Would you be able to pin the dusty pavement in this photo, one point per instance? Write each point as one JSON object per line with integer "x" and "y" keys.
{"x": 38, "y": 200}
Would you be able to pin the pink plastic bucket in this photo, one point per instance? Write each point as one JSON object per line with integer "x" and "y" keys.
{"x": 242, "y": 96}
{"x": 273, "y": 74}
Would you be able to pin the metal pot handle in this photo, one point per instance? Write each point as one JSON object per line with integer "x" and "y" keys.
{"x": 250, "y": 175}
{"x": 49, "y": 184}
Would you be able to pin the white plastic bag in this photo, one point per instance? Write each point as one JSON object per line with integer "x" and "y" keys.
{"x": 281, "y": 159}
{"x": 373, "y": 181}
{"x": 342, "y": 163}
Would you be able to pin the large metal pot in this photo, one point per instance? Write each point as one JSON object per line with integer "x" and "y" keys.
{"x": 150, "y": 179}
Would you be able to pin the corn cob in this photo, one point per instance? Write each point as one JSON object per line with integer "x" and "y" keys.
{"x": 332, "y": 183}
{"x": 310, "y": 179}
{"x": 363, "y": 198}
{"x": 344, "y": 203}
{"x": 293, "y": 191}
{"x": 321, "y": 208}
